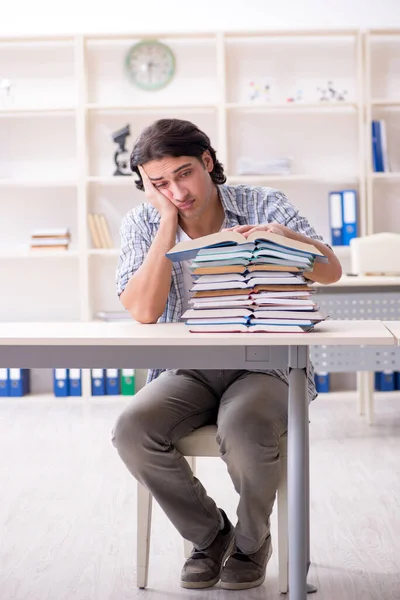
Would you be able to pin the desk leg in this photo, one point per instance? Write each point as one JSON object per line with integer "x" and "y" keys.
{"x": 298, "y": 496}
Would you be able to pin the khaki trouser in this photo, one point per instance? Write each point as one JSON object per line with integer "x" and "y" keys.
{"x": 250, "y": 410}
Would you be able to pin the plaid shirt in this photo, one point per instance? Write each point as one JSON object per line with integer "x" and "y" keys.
{"x": 243, "y": 205}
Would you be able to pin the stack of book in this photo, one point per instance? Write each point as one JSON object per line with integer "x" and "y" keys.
{"x": 50, "y": 239}
{"x": 253, "y": 284}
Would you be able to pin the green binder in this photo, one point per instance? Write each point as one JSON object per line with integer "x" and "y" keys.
{"x": 127, "y": 382}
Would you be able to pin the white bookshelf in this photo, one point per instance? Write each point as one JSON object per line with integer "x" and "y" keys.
{"x": 382, "y": 98}
{"x": 71, "y": 93}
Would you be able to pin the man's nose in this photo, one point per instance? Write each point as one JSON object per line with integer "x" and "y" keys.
{"x": 179, "y": 192}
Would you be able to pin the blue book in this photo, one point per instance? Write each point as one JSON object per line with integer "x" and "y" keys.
{"x": 377, "y": 149}
{"x": 336, "y": 218}
{"x": 75, "y": 382}
{"x": 4, "y": 382}
{"x": 322, "y": 382}
{"x": 350, "y": 217}
{"x": 19, "y": 382}
{"x": 98, "y": 382}
{"x": 387, "y": 381}
{"x": 112, "y": 382}
{"x": 60, "y": 383}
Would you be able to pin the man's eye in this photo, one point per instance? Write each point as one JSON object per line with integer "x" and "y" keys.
{"x": 160, "y": 185}
{"x": 186, "y": 173}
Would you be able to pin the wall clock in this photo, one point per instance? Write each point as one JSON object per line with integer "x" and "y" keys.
{"x": 150, "y": 65}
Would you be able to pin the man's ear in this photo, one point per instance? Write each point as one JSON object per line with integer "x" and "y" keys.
{"x": 207, "y": 161}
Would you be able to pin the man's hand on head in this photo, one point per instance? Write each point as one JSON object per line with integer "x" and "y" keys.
{"x": 156, "y": 198}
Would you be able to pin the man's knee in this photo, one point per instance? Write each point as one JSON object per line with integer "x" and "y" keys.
{"x": 133, "y": 428}
{"x": 250, "y": 433}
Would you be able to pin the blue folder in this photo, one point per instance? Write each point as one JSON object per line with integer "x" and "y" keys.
{"x": 350, "y": 217}
{"x": 75, "y": 382}
{"x": 336, "y": 218}
{"x": 19, "y": 382}
{"x": 112, "y": 382}
{"x": 4, "y": 382}
{"x": 322, "y": 382}
{"x": 60, "y": 383}
{"x": 98, "y": 382}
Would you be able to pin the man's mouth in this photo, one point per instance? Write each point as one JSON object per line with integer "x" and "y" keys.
{"x": 185, "y": 205}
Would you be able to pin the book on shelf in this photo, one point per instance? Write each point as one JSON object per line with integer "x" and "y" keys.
{"x": 99, "y": 231}
{"x": 50, "y": 239}
{"x": 254, "y": 296}
{"x": 380, "y": 159}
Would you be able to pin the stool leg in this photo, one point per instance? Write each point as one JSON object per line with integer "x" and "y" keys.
{"x": 144, "y": 506}
{"x": 187, "y": 546}
{"x": 361, "y": 393}
{"x": 369, "y": 395}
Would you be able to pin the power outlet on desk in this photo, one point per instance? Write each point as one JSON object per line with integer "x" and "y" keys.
{"x": 258, "y": 354}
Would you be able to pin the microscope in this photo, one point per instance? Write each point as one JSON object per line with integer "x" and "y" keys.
{"x": 121, "y": 156}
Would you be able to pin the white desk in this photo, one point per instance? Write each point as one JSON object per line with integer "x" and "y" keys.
{"x": 394, "y": 328}
{"x": 118, "y": 345}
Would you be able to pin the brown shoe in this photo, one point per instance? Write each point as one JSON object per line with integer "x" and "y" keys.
{"x": 203, "y": 567}
{"x": 244, "y": 571}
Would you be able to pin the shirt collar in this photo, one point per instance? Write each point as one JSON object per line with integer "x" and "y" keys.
{"x": 227, "y": 196}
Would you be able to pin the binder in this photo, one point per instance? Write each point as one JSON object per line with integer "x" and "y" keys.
{"x": 397, "y": 380}
{"x": 60, "y": 383}
{"x": 19, "y": 382}
{"x": 349, "y": 211}
{"x": 75, "y": 382}
{"x": 4, "y": 382}
{"x": 385, "y": 157}
{"x": 377, "y": 154}
{"x": 336, "y": 218}
{"x": 112, "y": 382}
{"x": 127, "y": 382}
{"x": 387, "y": 381}
{"x": 377, "y": 378}
{"x": 322, "y": 382}
{"x": 98, "y": 382}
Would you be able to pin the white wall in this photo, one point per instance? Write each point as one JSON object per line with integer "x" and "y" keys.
{"x": 30, "y": 17}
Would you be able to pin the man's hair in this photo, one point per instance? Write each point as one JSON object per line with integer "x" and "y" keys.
{"x": 173, "y": 137}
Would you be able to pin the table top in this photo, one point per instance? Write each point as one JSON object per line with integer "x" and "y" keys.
{"x": 353, "y": 281}
{"x": 394, "y": 328}
{"x": 177, "y": 334}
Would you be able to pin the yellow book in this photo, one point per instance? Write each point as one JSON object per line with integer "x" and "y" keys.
{"x": 96, "y": 241}
{"x": 106, "y": 231}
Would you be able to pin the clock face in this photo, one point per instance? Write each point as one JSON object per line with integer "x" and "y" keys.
{"x": 150, "y": 65}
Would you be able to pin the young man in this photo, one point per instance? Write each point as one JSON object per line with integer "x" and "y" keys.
{"x": 187, "y": 197}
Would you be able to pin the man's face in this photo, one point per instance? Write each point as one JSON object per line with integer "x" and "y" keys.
{"x": 185, "y": 181}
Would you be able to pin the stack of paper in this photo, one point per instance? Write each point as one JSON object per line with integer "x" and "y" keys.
{"x": 253, "y": 284}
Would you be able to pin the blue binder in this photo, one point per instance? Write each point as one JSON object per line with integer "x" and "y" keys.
{"x": 19, "y": 382}
{"x": 387, "y": 381}
{"x": 378, "y": 381}
{"x": 349, "y": 211}
{"x": 75, "y": 382}
{"x": 60, "y": 383}
{"x": 336, "y": 218}
{"x": 98, "y": 382}
{"x": 322, "y": 382}
{"x": 377, "y": 150}
{"x": 112, "y": 382}
{"x": 397, "y": 380}
{"x": 4, "y": 382}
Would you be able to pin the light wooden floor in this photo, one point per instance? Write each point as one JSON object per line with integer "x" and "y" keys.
{"x": 67, "y": 507}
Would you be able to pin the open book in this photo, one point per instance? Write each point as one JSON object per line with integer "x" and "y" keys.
{"x": 189, "y": 249}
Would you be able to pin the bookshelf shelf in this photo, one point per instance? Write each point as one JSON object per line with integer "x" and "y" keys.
{"x": 38, "y": 255}
{"x": 382, "y": 103}
{"x": 111, "y": 252}
{"x": 120, "y": 109}
{"x": 267, "y": 179}
{"x": 40, "y": 183}
{"x": 296, "y": 107}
